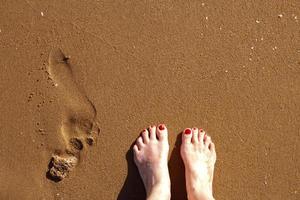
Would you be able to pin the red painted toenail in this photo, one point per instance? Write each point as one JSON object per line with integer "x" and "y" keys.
{"x": 194, "y": 128}
{"x": 161, "y": 127}
{"x": 187, "y": 131}
{"x": 201, "y": 130}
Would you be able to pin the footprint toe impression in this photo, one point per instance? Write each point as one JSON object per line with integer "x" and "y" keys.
{"x": 60, "y": 166}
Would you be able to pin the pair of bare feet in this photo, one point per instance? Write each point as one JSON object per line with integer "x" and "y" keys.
{"x": 198, "y": 154}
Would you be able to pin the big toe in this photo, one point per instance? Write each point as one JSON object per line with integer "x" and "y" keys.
{"x": 162, "y": 132}
{"x": 187, "y": 136}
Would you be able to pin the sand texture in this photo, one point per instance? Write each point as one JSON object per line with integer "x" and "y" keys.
{"x": 79, "y": 80}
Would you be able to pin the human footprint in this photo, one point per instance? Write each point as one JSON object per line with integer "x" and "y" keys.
{"x": 151, "y": 157}
{"x": 199, "y": 157}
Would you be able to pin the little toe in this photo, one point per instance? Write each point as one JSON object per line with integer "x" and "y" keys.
{"x": 152, "y": 132}
{"x": 195, "y": 138}
{"x": 135, "y": 149}
{"x": 187, "y": 136}
{"x": 212, "y": 147}
{"x": 145, "y": 136}
{"x": 207, "y": 141}
{"x": 162, "y": 132}
{"x": 140, "y": 143}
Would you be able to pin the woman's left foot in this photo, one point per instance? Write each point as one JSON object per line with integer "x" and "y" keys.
{"x": 151, "y": 157}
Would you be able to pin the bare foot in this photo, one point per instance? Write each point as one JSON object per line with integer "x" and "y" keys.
{"x": 199, "y": 157}
{"x": 151, "y": 157}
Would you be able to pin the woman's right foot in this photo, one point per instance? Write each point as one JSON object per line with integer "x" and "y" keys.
{"x": 199, "y": 157}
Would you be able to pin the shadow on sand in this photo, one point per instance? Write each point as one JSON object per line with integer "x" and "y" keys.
{"x": 133, "y": 188}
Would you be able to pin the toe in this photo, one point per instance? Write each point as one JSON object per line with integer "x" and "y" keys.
{"x": 136, "y": 153}
{"x": 135, "y": 149}
{"x": 140, "y": 143}
{"x": 195, "y": 138}
{"x": 152, "y": 132}
{"x": 201, "y": 136}
{"x": 187, "y": 136}
{"x": 145, "y": 136}
{"x": 207, "y": 141}
{"x": 212, "y": 147}
{"x": 162, "y": 132}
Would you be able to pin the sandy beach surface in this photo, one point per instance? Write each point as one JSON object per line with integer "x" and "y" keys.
{"x": 87, "y": 76}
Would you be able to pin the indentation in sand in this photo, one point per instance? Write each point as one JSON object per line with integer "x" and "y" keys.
{"x": 78, "y": 126}
{"x": 60, "y": 166}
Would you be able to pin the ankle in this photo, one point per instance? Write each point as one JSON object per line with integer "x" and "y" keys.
{"x": 159, "y": 191}
{"x": 204, "y": 193}
{"x": 201, "y": 196}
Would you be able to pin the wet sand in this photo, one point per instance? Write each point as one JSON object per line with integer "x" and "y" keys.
{"x": 230, "y": 67}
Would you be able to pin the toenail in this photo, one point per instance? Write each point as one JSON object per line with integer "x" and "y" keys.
{"x": 194, "y": 128}
{"x": 161, "y": 127}
{"x": 201, "y": 130}
{"x": 187, "y": 131}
